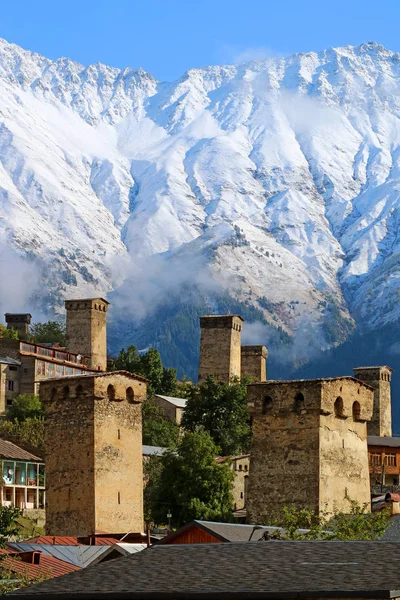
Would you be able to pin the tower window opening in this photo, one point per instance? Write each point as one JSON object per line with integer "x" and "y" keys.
{"x": 119, "y": 497}
{"x": 356, "y": 411}
{"x": 299, "y": 402}
{"x": 66, "y": 392}
{"x": 338, "y": 406}
{"x": 79, "y": 391}
{"x": 111, "y": 392}
{"x": 129, "y": 394}
{"x": 267, "y": 405}
{"x": 119, "y": 434}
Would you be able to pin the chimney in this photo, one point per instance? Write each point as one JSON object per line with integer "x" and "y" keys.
{"x": 31, "y": 557}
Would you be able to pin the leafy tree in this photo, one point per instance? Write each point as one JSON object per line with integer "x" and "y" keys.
{"x": 357, "y": 524}
{"x": 152, "y": 470}
{"x": 192, "y": 484}
{"x": 52, "y": 331}
{"x": 25, "y": 406}
{"x": 8, "y": 334}
{"x": 8, "y": 523}
{"x": 156, "y": 429}
{"x": 148, "y": 364}
{"x": 29, "y": 433}
{"x": 221, "y": 410}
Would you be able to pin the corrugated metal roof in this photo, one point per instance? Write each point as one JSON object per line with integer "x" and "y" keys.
{"x": 179, "y": 402}
{"x": 376, "y": 440}
{"x": 71, "y": 540}
{"x": 6, "y": 360}
{"x": 153, "y": 450}
{"x": 12, "y": 451}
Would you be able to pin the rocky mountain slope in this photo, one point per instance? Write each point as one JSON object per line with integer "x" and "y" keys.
{"x": 272, "y": 185}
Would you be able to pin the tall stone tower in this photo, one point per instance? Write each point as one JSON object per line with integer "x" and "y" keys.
{"x": 254, "y": 362}
{"x": 379, "y": 378}
{"x": 220, "y": 346}
{"x": 86, "y": 330}
{"x": 93, "y": 435}
{"x": 309, "y": 445}
{"x": 18, "y": 321}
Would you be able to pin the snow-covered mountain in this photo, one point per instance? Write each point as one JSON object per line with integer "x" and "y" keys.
{"x": 276, "y": 182}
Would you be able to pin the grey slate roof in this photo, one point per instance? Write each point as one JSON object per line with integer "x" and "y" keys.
{"x": 274, "y": 569}
{"x": 376, "y": 440}
{"x": 178, "y": 402}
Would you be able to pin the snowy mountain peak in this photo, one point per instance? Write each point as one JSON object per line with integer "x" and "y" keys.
{"x": 276, "y": 181}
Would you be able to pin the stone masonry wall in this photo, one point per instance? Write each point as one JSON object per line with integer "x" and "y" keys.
{"x": 344, "y": 471}
{"x": 303, "y": 453}
{"x": 379, "y": 378}
{"x": 86, "y": 330}
{"x": 118, "y": 456}
{"x": 220, "y": 353}
{"x": 284, "y": 465}
{"x": 94, "y": 469}
{"x": 254, "y": 362}
{"x": 69, "y": 439}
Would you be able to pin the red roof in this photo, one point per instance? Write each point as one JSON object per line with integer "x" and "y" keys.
{"x": 48, "y": 567}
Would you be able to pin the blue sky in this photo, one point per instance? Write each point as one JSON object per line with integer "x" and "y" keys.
{"x": 167, "y": 37}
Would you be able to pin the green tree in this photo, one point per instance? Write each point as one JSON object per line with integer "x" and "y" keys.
{"x": 152, "y": 469}
{"x": 162, "y": 380}
{"x": 192, "y": 484}
{"x": 156, "y": 429}
{"x": 25, "y": 406}
{"x": 52, "y": 331}
{"x": 29, "y": 433}
{"x": 8, "y": 523}
{"x": 356, "y": 524}
{"x": 221, "y": 410}
{"x": 8, "y": 334}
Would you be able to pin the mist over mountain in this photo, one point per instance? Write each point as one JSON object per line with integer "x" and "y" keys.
{"x": 269, "y": 188}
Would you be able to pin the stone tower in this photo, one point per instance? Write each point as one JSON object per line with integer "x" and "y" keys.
{"x": 18, "y": 321}
{"x": 220, "y": 346}
{"x": 379, "y": 378}
{"x": 93, "y": 434}
{"x": 86, "y": 330}
{"x": 254, "y": 362}
{"x": 309, "y": 445}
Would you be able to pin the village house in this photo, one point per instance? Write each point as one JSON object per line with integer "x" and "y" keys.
{"x": 172, "y": 408}
{"x": 23, "y": 478}
{"x": 384, "y": 460}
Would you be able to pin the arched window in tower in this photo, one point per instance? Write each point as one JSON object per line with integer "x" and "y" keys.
{"x": 267, "y": 405}
{"x": 338, "y": 407}
{"x": 130, "y": 396}
{"x": 356, "y": 411}
{"x": 65, "y": 392}
{"x": 111, "y": 392}
{"x": 299, "y": 402}
{"x": 79, "y": 391}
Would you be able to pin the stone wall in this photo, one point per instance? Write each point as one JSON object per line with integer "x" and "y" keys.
{"x": 94, "y": 474}
{"x": 302, "y": 453}
{"x": 379, "y": 378}
{"x": 86, "y": 330}
{"x": 254, "y": 362}
{"x": 220, "y": 353}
